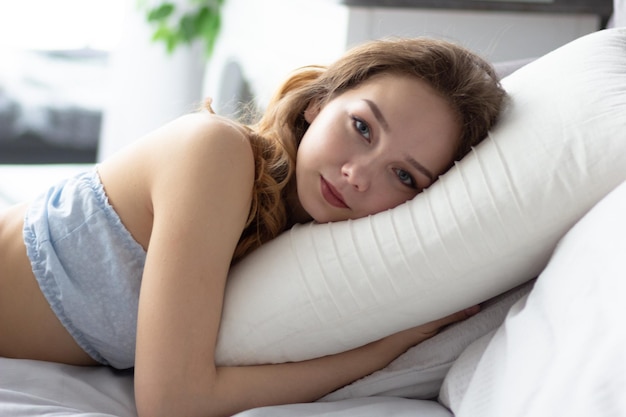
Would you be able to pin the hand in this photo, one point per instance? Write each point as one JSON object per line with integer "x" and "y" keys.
{"x": 405, "y": 339}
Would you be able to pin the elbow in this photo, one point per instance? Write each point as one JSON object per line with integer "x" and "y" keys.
{"x": 166, "y": 400}
{"x": 149, "y": 406}
{"x": 151, "y": 402}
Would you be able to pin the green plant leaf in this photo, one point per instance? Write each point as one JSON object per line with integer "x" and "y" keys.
{"x": 161, "y": 33}
{"x": 169, "y": 37}
{"x": 161, "y": 12}
{"x": 202, "y": 21}
{"x": 188, "y": 28}
{"x": 210, "y": 32}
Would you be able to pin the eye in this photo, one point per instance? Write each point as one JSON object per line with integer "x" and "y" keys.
{"x": 406, "y": 178}
{"x": 362, "y": 128}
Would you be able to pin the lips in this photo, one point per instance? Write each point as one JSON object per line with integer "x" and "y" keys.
{"x": 331, "y": 195}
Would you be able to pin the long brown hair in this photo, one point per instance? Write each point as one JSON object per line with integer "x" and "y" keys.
{"x": 467, "y": 81}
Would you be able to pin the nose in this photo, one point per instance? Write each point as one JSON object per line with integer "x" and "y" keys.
{"x": 358, "y": 174}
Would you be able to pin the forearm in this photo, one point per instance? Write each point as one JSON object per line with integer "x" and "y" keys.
{"x": 188, "y": 384}
{"x": 224, "y": 391}
{"x": 240, "y": 388}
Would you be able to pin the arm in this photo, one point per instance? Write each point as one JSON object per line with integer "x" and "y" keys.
{"x": 200, "y": 192}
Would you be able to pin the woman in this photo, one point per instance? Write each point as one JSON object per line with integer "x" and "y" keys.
{"x": 126, "y": 265}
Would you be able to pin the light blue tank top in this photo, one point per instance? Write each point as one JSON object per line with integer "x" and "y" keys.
{"x": 88, "y": 266}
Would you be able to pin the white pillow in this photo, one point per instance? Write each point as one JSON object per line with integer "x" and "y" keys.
{"x": 486, "y": 226}
{"x": 562, "y": 351}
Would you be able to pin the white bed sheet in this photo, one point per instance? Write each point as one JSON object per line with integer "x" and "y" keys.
{"x": 358, "y": 407}
{"x": 31, "y": 388}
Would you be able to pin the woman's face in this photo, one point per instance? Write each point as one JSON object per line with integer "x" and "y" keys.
{"x": 374, "y": 147}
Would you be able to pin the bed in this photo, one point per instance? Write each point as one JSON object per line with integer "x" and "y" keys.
{"x": 531, "y": 224}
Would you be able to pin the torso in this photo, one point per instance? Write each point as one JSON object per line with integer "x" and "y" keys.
{"x": 28, "y": 326}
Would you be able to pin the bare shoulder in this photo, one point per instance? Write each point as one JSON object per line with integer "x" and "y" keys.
{"x": 210, "y": 126}
{"x": 187, "y": 138}
{"x": 197, "y": 144}
{"x": 200, "y": 146}
{"x": 178, "y": 166}
{"x": 200, "y": 135}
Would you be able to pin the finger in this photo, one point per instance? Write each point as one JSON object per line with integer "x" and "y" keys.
{"x": 455, "y": 317}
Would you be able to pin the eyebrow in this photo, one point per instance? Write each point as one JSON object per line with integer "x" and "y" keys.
{"x": 421, "y": 168}
{"x": 383, "y": 122}
{"x": 378, "y": 114}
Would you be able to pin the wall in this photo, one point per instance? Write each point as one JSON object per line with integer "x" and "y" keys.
{"x": 269, "y": 38}
{"x": 499, "y": 36}
{"x": 147, "y": 86}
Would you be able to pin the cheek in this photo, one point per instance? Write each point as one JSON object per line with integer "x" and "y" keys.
{"x": 318, "y": 148}
{"x": 386, "y": 199}
{"x": 306, "y": 149}
{"x": 312, "y": 137}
